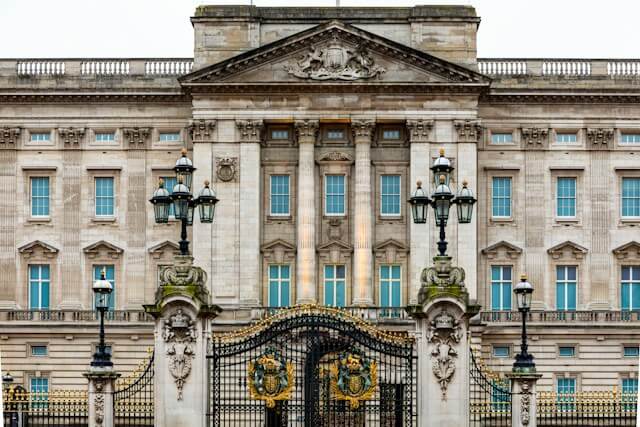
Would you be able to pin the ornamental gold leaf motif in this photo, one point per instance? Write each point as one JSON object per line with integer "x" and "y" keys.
{"x": 271, "y": 378}
{"x": 353, "y": 378}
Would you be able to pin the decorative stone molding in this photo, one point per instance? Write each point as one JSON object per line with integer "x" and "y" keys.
{"x": 161, "y": 248}
{"x": 600, "y": 137}
{"x": 278, "y": 252}
{"x": 335, "y": 61}
{"x": 103, "y": 248}
{"x": 535, "y": 137}
{"x": 179, "y": 333}
{"x": 525, "y": 404}
{"x": 334, "y": 252}
{"x": 71, "y": 136}
{"x": 567, "y": 250}
{"x": 442, "y": 274}
{"x": 503, "y": 250}
{"x": 136, "y": 137}
{"x": 419, "y": 130}
{"x": 98, "y": 401}
{"x": 334, "y": 231}
{"x": 363, "y": 129}
{"x": 628, "y": 251}
{"x": 468, "y": 130}
{"x": 227, "y": 169}
{"x": 201, "y": 129}
{"x": 306, "y": 130}
{"x": 9, "y": 137}
{"x": 182, "y": 273}
{"x": 444, "y": 333}
{"x": 335, "y": 156}
{"x": 37, "y": 249}
{"x": 250, "y": 130}
{"x": 390, "y": 251}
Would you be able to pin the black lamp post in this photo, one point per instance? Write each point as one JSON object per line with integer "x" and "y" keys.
{"x": 183, "y": 202}
{"x": 441, "y": 200}
{"x": 524, "y": 290}
{"x": 102, "y": 289}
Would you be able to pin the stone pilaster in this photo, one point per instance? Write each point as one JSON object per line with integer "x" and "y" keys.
{"x": 523, "y": 399}
{"x": 250, "y": 204}
{"x": 135, "y": 255}
{"x": 101, "y": 387}
{"x": 363, "y": 227}
{"x": 306, "y": 286}
{"x": 8, "y": 220}
{"x": 70, "y": 253}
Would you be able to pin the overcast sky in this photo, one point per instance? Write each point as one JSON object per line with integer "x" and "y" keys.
{"x": 161, "y": 28}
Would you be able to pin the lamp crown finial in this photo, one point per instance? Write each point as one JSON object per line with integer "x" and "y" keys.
{"x": 419, "y": 184}
{"x": 103, "y": 273}
{"x": 161, "y": 183}
{"x": 464, "y": 183}
{"x": 442, "y": 179}
{"x": 206, "y": 183}
{"x": 523, "y": 277}
{"x": 183, "y": 152}
{"x": 441, "y": 152}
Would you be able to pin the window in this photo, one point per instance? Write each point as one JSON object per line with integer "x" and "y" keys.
{"x": 566, "y": 284}
{"x": 631, "y": 197}
{"x": 391, "y": 134}
{"x": 280, "y": 134}
{"x": 40, "y": 136}
{"x": 169, "y": 136}
{"x": 630, "y": 287}
{"x": 501, "y": 351}
{"x": 39, "y": 283}
{"x": 279, "y": 197}
{"x": 104, "y": 196}
{"x": 630, "y": 138}
{"x": 501, "y": 287}
{"x": 566, "y": 138}
{"x": 279, "y": 285}
{"x": 631, "y": 351}
{"x": 40, "y": 196}
{"x": 169, "y": 183}
{"x": 500, "y": 395}
{"x": 39, "y": 350}
{"x": 567, "y": 351}
{"x": 334, "y": 195}
{"x": 335, "y": 134}
{"x": 334, "y": 285}
{"x": 629, "y": 385}
{"x": 39, "y": 387}
{"x": 501, "y": 197}
{"x": 502, "y": 138}
{"x": 566, "y": 389}
{"x": 390, "y": 195}
{"x": 566, "y": 197}
{"x": 109, "y": 271}
{"x": 105, "y": 137}
{"x": 390, "y": 289}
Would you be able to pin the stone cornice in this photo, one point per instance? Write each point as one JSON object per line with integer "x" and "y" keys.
{"x": 419, "y": 130}
{"x": 540, "y": 97}
{"x": 250, "y": 130}
{"x": 83, "y": 98}
{"x": 306, "y": 130}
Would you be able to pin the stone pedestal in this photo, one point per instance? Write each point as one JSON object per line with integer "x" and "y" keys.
{"x": 523, "y": 398}
{"x": 182, "y": 336}
{"x": 101, "y": 387}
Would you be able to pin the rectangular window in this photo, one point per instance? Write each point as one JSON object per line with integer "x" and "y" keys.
{"x": 566, "y": 197}
{"x": 109, "y": 271}
{"x": 169, "y": 183}
{"x": 334, "y": 195}
{"x": 566, "y": 286}
{"x": 335, "y": 277}
{"x": 501, "y": 197}
{"x": 105, "y": 137}
{"x": 566, "y": 138}
{"x": 630, "y": 287}
{"x": 39, "y": 350}
{"x": 390, "y": 289}
{"x": 501, "y": 280}
{"x": 631, "y": 197}
{"x": 169, "y": 136}
{"x": 39, "y": 284}
{"x": 501, "y": 351}
{"x": 104, "y": 196}
{"x": 40, "y": 196}
{"x": 502, "y": 138}
{"x": 390, "y": 195}
{"x": 629, "y": 385}
{"x": 567, "y": 351}
{"x": 566, "y": 389}
{"x": 391, "y": 134}
{"x": 279, "y": 285}
{"x": 40, "y": 136}
{"x": 631, "y": 351}
{"x": 630, "y": 138}
{"x": 335, "y": 134}
{"x": 279, "y": 197}
{"x": 280, "y": 134}
{"x": 39, "y": 387}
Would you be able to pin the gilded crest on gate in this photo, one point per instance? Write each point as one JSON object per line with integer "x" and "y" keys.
{"x": 353, "y": 378}
{"x": 270, "y": 378}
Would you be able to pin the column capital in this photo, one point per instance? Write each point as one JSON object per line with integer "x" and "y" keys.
{"x": 201, "y": 129}
{"x": 306, "y": 130}
{"x": 72, "y": 137}
{"x": 9, "y": 137}
{"x": 250, "y": 130}
{"x": 419, "y": 129}
{"x": 363, "y": 129}
{"x": 468, "y": 130}
{"x": 136, "y": 137}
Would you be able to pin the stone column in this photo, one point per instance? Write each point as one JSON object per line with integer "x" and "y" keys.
{"x": 8, "y": 219}
{"x": 523, "y": 399}
{"x": 419, "y": 131}
{"x": 250, "y": 211}
{"x": 363, "y": 225}
{"x": 101, "y": 387}
{"x": 306, "y": 286}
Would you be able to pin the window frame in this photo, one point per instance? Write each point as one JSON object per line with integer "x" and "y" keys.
{"x": 628, "y": 218}
{"x": 111, "y": 140}
{"x": 511, "y": 199}
{"x": 626, "y": 346}
{"x": 493, "y": 351}
{"x": 31, "y": 347}
{"x": 169, "y": 132}
{"x": 495, "y": 141}
{"x": 562, "y": 133}
{"x": 574, "y": 353}
{"x": 557, "y": 198}
{"x": 344, "y": 194}
{"x": 399, "y": 195}
{"x": 95, "y": 196}
{"x": 335, "y": 282}
{"x": 631, "y": 282}
{"x": 567, "y": 282}
{"x": 37, "y": 140}
{"x": 501, "y": 282}
{"x": 31, "y": 179}
{"x": 288, "y": 195}
{"x": 391, "y": 281}
{"x": 280, "y": 280}
{"x": 627, "y": 143}
{"x": 40, "y": 282}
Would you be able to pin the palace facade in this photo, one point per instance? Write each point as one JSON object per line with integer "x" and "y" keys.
{"x": 313, "y": 126}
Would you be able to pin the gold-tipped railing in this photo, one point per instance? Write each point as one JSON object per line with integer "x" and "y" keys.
{"x": 65, "y": 407}
{"x": 585, "y": 408}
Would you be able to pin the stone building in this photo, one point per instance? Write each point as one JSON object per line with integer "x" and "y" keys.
{"x": 314, "y": 125}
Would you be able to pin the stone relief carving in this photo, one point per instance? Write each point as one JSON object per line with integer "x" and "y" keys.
{"x": 182, "y": 273}
{"x": 201, "y": 129}
{"x": 98, "y": 402}
{"x": 444, "y": 333}
{"x": 525, "y": 414}
{"x": 71, "y": 136}
{"x": 250, "y": 130}
{"x": 600, "y": 136}
{"x": 535, "y": 136}
{"x": 335, "y": 62}
{"x": 335, "y": 156}
{"x": 468, "y": 130}
{"x": 9, "y": 135}
{"x": 226, "y": 168}
{"x": 179, "y": 332}
{"x": 136, "y": 137}
{"x": 419, "y": 130}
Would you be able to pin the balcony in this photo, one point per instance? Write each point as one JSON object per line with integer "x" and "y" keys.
{"x": 562, "y": 317}
{"x": 50, "y": 316}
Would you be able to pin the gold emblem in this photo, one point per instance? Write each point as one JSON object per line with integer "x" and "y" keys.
{"x": 353, "y": 378}
{"x": 270, "y": 378}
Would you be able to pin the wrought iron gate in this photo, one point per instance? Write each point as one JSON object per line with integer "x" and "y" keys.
{"x": 312, "y": 366}
{"x": 489, "y": 397}
{"x": 133, "y": 403}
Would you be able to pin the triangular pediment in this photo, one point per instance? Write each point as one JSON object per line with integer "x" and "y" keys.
{"x": 38, "y": 247}
{"x": 277, "y": 244}
{"x": 502, "y": 249}
{"x": 335, "y": 245}
{"x": 567, "y": 249}
{"x": 329, "y": 54}
{"x": 629, "y": 250}
{"x": 390, "y": 243}
{"x": 163, "y": 246}
{"x": 102, "y": 248}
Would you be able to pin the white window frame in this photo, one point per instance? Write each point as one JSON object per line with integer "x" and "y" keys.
{"x": 344, "y": 195}
{"x": 31, "y": 178}
{"x": 566, "y": 281}
{"x": 622, "y": 198}
{"x": 40, "y": 282}
{"x": 334, "y": 282}
{"x": 32, "y": 346}
{"x": 393, "y": 215}
{"x": 493, "y": 352}
{"x": 95, "y": 196}
{"x": 279, "y": 280}
{"x": 288, "y": 213}
{"x": 636, "y": 138}
{"x": 37, "y": 139}
{"x": 161, "y": 133}
{"x": 510, "y": 178}
{"x": 560, "y": 136}
{"x": 501, "y": 281}
{"x": 501, "y": 141}
{"x": 98, "y": 137}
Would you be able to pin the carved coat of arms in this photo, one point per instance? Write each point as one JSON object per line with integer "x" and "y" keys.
{"x": 179, "y": 333}
{"x": 353, "y": 378}
{"x": 335, "y": 62}
{"x": 270, "y": 378}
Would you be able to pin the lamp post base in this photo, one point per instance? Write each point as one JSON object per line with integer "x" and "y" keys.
{"x": 101, "y": 360}
{"x": 524, "y": 363}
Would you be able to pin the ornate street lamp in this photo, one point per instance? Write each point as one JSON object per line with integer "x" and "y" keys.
{"x": 524, "y": 291}
{"x": 183, "y": 202}
{"x": 441, "y": 200}
{"x": 102, "y": 288}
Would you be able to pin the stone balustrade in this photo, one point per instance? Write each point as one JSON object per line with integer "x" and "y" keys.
{"x": 580, "y": 68}
{"x": 49, "y": 68}
{"x": 125, "y": 316}
{"x": 590, "y": 316}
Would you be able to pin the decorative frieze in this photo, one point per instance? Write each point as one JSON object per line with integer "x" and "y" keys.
{"x": 600, "y": 138}
{"x": 250, "y": 130}
{"x": 419, "y": 130}
{"x": 71, "y": 136}
{"x": 306, "y": 130}
{"x": 201, "y": 129}
{"x": 136, "y": 137}
{"x": 227, "y": 169}
{"x": 535, "y": 137}
{"x": 363, "y": 129}
{"x": 335, "y": 156}
{"x": 467, "y": 130}
{"x": 9, "y": 137}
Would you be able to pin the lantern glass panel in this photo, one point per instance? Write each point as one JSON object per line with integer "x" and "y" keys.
{"x": 161, "y": 211}
{"x": 185, "y": 176}
{"x": 102, "y": 300}
{"x": 207, "y": 211}
{"x": 441, "y": 208}
{"x": 419, "y": 211}
{"x": 190, "y": 213}
{"x": 181, "y": 208}
{"x": 465, "y": 211}
{"x": 438, "y": 173}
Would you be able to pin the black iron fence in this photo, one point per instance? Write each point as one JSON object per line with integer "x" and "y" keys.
{"x": 22, "y": 408}
{"x": 133, "y": 398}
{"x": 586, "y": 409}
{"x": 489, "y": 397}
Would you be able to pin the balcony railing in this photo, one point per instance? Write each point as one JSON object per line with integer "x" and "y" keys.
{"x": 125, "y": 316}
{"x": 580, "y": 68}
{"x": 150, "y": 67}
{"x": 561, "y": 316}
